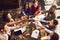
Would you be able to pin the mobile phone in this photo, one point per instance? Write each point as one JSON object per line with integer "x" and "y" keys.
{"x": 35, "y": 34}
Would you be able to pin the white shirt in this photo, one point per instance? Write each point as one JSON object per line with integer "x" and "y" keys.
{"x": 22, "y": 29}
{"x": 3, "y": 36}
{"x": 47, "y": 30}
{"x": 8, "y": 29}
{"x": 37, "y": 19}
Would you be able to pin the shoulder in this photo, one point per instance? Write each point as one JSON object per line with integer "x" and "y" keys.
{"x": 5, "y": 26}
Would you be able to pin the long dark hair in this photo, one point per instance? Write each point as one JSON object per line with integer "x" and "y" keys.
{"x": 4, "y": 17}
{"x": 2, "y": 26}
{"x": 26, "y": 3}
{"x": 53, "y": 6}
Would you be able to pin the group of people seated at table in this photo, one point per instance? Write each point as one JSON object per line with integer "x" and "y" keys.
{"x": 31, "y": 24}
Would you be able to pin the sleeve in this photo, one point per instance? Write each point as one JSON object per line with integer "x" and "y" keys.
{"x": 38, "y": 23}
{"x": 22, "y": 12}
{"x": 14, "y": 27}
{"x": 6, "y": 37}
{"x": 49, "y": 31}
{"x": 45, "y": 21}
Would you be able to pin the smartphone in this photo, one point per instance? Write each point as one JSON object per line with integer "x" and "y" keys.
{"x": 35, "y": 34}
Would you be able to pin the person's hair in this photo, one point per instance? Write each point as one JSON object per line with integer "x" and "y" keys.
{"x": 35, "y": 1}
{"x": 26, "y": 3}
{"x": 55, "y": 37}
{"x": 4, "y": 17}
{"x": 2, "y": 26}
{"x": 55, "y": 22}
{"x": 53, "y": 6}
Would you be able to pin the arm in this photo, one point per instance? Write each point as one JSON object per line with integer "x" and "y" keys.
{"x": 11, "y": 28}
{"x": 49, "y": 31}
{"x": 45, "y": 21}
{"x": 23, "y": 12}
{"x": 14, "y": 27}
{"x": 10, "y": 23}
